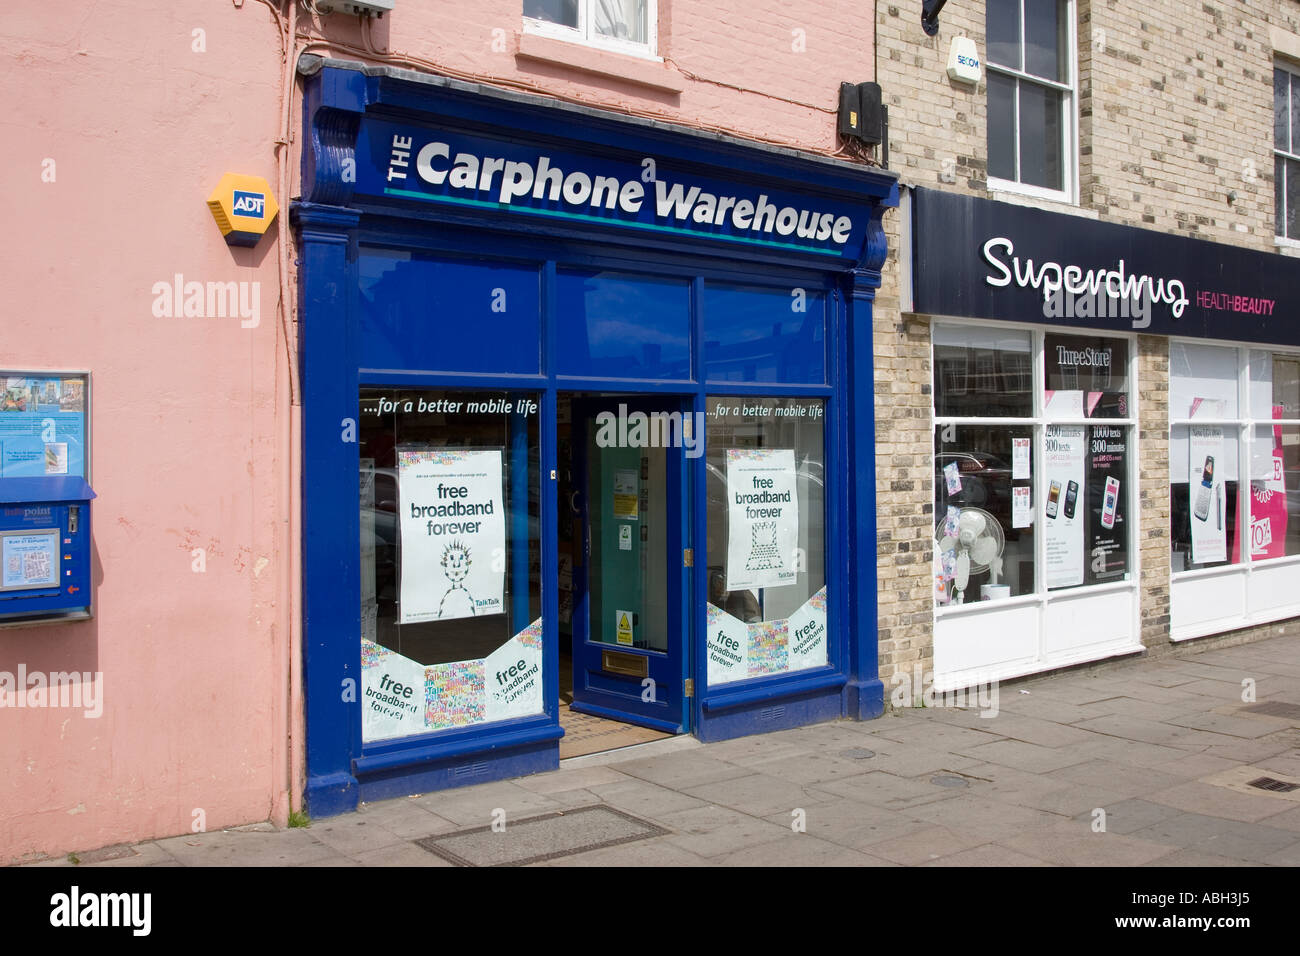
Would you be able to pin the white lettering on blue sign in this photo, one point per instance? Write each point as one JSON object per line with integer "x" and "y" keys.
{"x": 249, "y": 204}
{"x": 506, "y": 181}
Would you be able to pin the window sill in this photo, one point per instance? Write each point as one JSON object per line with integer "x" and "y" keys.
{"x": 1287, "y": 247}
{"x": 1002, "y": 191}
{"x": 586, "y": 59}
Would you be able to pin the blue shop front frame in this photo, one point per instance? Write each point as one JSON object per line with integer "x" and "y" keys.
{"x": 376, "y": 141}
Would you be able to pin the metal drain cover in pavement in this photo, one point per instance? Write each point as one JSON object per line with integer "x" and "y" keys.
{"x": 545, "y": 837}
{"x": 948, "y": 780}
{"x": 858, "y": 753}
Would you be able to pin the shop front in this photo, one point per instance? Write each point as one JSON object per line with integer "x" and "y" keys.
{"x": 602, "y": 387}
{"x": 1087, "y": 376}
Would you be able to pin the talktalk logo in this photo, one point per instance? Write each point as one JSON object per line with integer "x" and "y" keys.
{"x": 249, "y": 204}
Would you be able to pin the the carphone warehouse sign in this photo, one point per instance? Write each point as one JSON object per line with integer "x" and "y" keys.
{"x": 400, "y": 161}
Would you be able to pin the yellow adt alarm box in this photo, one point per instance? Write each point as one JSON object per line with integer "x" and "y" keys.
{"x": 243, "y": 207}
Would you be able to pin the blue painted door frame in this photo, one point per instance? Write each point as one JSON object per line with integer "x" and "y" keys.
{"x": 331, "y": 223}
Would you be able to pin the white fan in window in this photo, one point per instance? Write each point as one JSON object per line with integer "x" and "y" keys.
{"x": 978, "y": 546}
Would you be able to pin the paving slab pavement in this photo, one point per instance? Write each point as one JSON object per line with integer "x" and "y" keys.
{"x": 1134, "y": 763}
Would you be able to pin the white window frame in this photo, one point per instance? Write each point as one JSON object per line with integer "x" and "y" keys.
{"x": 1244, "y": 427}
{"x": 1069, "y": 193}
{"x": 586, "y": 34}
{"x": 995, "y": 616}
{"x": 1279, "y": 228}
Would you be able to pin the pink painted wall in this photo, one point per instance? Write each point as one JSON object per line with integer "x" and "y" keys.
{"x": 751, "y": 81}
{"x": 191, "y": 420}
{"x": 185, "y": 423}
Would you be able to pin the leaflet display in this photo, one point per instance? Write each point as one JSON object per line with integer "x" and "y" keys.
{"x": 1205, "y": 449}
{"x": 29, "y": 560}
{"x": 1063, "y": 455}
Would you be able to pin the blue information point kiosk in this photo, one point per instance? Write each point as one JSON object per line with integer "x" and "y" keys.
{"x": 44, "y": 549}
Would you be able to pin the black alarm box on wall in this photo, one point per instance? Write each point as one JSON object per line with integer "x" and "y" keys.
{"x": 861, "y": 112}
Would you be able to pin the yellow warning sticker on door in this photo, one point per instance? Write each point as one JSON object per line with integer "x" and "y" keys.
{"x": 625, "y": 489}
{"x": 623, "y": 627}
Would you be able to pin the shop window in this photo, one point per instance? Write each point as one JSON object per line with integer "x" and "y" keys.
{"x": 616, "y": 325}
{"x": 1286, "y": 153}
{"x": 622, "y": 26}
{"x": 429, "y": 313}
{"x": 983, "y": 372}
{"x": 754, "y": 334}
{"x": 1234, "y": 456}
{"x": 1031, "y": 485}
{"x": 1031, "y": 96}
{"x": 766, "y": 548}
{"x": 450, "y": 559}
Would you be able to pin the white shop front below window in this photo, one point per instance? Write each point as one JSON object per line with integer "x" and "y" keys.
{"x": 1234, "y": 473}
{"x": 1035, "y": 466}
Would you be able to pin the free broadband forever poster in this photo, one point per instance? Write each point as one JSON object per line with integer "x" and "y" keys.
{"x": 453, "y": 533}
{"x": 763, "y": 519}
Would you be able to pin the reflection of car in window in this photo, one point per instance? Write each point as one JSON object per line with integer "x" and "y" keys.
{"x": 985, "y": 483}
{"x": 384, "y": 513}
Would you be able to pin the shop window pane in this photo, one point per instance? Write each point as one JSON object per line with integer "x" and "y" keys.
{"x": 1295, "y": 113}
{"x": 1045, "y": 36}
{"x": 1281, "y": 110}
{"x": 1279, "y": 196}
{"x": 1040, "y": 136}
{"x": 614, "y": 325}
{"x": 1202, "y": 381}
{"x": 1274, "y": 385}
{"x": 982, "y": 372}
{"x": 563, "y": 12}
{"x": 426, "y": 313}
{"x": 1203, "y": 501}
{"x": 450, "y": 559}
{"x": 1286, "y": 387}
{"x": 984, "y": 510}
{"x": 1292, "y": 199}
{"x": 764, "y": 335}
{"x": 624, "y": 19}
{"x": 1002, "y": 20}
{"x": 766, "y": 546}
{"x": 1086, "y": 377}
{"x": 1274, "y": 493}
{"x": 1002, "y": 126}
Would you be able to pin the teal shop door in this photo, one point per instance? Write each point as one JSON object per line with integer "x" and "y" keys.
{"x": 630, "y": 588}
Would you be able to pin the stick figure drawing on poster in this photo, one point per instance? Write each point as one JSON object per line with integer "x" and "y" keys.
{"x": 455, "y": 564}
{"x": 763, "y": 550}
